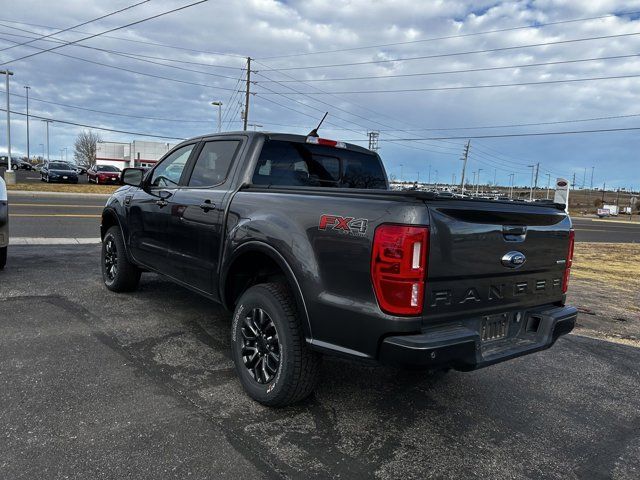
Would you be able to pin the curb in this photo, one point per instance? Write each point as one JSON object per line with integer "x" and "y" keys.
{"x": 28, "y": 193}
{"x": 53, "y": 241}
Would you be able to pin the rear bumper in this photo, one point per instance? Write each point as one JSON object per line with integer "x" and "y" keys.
{"x": 460, "y": 346}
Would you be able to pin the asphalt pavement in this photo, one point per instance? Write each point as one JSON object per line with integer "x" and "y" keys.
{"x": 78, "y": 216}
{"x": 101, "y": 385}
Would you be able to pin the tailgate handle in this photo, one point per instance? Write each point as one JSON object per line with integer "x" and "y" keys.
{"x": 514, "y": 233}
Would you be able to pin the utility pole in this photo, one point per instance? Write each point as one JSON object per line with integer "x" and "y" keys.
{"x": 495, "y": 175}
{"x": 573, "y": 184}
{"x": 511, "y": 176}
{"x": 464, "y": 158}
{"x": 535, "y": 183}
{"x": 219, "y": 105}
{"x": 47, "y": 122}
{"x": 591, "y": 186}
{"x": 7, "y": 74}
{"x": 473, "y": 184}
{"x": 429, "y": 182}
{"x": 373, "y": 140}
{"x": 27, "y": 88}
{"x": 246, "y": 98}
{"x": 584, "y": 177}
{"x": 401, "y": 174}
{"x": 548, "y": 184}
{"x": 531, "y": 188}
{"x": 604, "y": 186}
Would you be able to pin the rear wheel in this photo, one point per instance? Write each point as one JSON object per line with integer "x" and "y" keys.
{"x": 3, "y": 257}
{"x": 118, "y": 273}
{"x": 272, "y": 359}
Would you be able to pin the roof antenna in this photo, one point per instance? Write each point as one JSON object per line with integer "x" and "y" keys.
{"x": 314, "y": 132}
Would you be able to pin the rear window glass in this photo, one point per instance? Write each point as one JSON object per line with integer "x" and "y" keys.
{"x": 308, "y": 165}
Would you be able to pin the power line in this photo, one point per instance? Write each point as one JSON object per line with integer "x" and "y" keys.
{"x": 514, "y": 125}
{"x": 453, "y": 54}
{"x": 134, "y": 56}
{"x": 467, "y": 70}
{"x": 143, "y": 42}
{"x": 529, "y": 134}
{"x": 123, "y": 69}
{"x": 137, "y": 22}
{"x": 66, "y": 122}
{"x": 76, "y": 26}
{"x": 76, "y": 107}
{"x": 534, "y": 25}
{"x": 470, "y": 87}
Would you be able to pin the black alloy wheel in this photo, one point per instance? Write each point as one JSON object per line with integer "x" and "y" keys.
{"x": 260, "y": 346}
{"x": 110, "y": 259}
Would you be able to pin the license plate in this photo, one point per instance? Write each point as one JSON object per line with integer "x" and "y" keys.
{"x": 65, "y": 178}
{"x": 494, "y": 328}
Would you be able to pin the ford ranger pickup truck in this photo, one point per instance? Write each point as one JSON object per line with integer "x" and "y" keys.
{"x": 301, "y": 238}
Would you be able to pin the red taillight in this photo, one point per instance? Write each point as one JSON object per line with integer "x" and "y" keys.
{"x": 398, "y": 268}
{"x": 326, "y": 142}
{"x": 567, "y": 266}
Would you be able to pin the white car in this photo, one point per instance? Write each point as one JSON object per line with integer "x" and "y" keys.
{"x": 4, "y": 224}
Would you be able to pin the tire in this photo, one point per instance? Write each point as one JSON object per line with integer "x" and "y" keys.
{"x": 293, "y": 377}
{"x": 118, "y": 273}
{"x": 3, "y": 257}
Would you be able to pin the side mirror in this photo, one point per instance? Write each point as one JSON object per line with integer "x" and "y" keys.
{"x": 132, "y": 176}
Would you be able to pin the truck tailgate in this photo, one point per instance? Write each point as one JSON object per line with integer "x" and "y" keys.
{"x": 469, "y": 271}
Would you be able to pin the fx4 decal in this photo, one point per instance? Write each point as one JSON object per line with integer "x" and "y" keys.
{"x": 346, "y": 225}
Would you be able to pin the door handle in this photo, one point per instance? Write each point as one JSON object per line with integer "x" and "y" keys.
{"x": 207, "y": 205}
{"x": 161, "y": 203}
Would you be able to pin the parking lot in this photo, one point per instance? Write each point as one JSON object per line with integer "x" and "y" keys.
{"x": 141, "y": 385}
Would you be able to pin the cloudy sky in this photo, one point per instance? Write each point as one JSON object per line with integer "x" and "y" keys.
{"x": 428, "y": 75}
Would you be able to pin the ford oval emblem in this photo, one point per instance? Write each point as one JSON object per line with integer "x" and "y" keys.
{"x": 513, "y": 259}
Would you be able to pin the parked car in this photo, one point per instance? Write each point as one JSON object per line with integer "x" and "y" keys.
{"x": 4, "y": 224}
{"x": 24, "y": 165}
{"x": 5, "y": 163}
{"x": 58, "y": 172}
{"x": 103, "y": 174}
{"x": 301, "y": 238}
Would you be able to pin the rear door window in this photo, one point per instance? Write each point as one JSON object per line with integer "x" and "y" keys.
{"x": 301, "y": 164}
{"x": 213, "y": 163}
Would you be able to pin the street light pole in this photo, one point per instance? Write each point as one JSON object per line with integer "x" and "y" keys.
{"x": 47, "y": 122}
{"x": 27, "y": 88}
{"x": 531, "y": 190}
{"x": 511, "y": 176}
{"x": 478, "y": 180}
{"x": 7, "y": 74}
{"x": 219, "y": 105}
{"x": 548, "y": 184}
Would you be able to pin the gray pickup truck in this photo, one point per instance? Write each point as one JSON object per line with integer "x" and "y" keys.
{"x": 302, "y": 240}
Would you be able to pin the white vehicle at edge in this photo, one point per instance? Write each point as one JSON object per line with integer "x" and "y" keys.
{"x": 4, "y": 224}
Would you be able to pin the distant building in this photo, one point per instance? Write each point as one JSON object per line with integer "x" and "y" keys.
{"x": 135, "y": 154}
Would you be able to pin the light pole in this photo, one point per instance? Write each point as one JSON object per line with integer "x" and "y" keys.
{"x": 548, "y": 184}
{"x": 47, "y": 122}
{"x": 531, "y": 189}
{"x": 219, "y": 105}
{"x": 478, "y": 180}
{"x": 7, "y": 74}
{"x": 27, "y": 88}
{"x": 511, "y": 176}
{"x": 401, "y": 176}
{"x": 42, "y": 145}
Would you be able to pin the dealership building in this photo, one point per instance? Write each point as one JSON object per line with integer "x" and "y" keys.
{"x": 135, "y": 154}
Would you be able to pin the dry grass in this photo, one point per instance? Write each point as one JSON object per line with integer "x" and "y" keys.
{"x": 615, "y": 264}
{"x": 63, "y": 187}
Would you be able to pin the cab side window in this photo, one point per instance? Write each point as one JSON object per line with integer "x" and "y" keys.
{"x": 212, "y": 166}
{"x": 169, "y": 171}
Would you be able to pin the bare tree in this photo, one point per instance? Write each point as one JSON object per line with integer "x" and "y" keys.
{"x": 85, "y": 147}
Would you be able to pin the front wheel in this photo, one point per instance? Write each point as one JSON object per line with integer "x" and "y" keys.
{"x": 272, "y": 359}
{"x": 3, "y": 257}
{"x": 118, "y": 273}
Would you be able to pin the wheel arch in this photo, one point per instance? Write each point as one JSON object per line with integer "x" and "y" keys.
{"x": 257, "y": 262}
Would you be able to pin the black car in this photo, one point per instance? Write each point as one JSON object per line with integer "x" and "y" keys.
{"x": 59, "y": 172}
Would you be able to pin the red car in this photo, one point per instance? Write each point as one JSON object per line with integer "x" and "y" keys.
{"x": 103, "y": 174}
